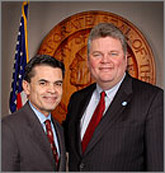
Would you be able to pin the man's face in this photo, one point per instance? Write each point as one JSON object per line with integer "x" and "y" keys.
{"x": 45, "y": 89}
{"x": 107, "y": 63}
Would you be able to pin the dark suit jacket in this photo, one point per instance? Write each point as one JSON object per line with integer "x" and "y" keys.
{"x": 25, "y": 146}
{"x": 128, "y": 138}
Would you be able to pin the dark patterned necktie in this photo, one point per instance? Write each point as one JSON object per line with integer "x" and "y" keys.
{"x": 51, "y": 140}
{"x": 94, "y": 122}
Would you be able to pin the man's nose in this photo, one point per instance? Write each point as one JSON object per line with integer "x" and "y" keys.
{"x": 105, "y": 58}
{"x": 51, "y": 88}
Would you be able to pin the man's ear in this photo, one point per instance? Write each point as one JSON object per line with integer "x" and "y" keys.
{"x": 26, "y": 87}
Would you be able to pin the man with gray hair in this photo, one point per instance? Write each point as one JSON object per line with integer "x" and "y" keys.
{"x": 115, "y": 124}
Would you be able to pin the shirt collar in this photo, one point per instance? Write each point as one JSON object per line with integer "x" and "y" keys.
{"x": 110, "y": 91}
{"x": 39, "y": 115}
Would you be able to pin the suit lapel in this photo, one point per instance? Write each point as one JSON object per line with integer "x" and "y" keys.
{"x": 38, "y": 135}
{"x": 60, "y": 144}
{"x": 83, "y": 105}
{"x": 85, "y": 101}
{"x": 118, "y": 105}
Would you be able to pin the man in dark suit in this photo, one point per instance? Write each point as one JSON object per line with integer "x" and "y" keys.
{"x": 129, "y": 136}
{"x": 25, "y": 145}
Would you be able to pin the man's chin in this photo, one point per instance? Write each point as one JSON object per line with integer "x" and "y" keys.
{"x": 50, "y": 109}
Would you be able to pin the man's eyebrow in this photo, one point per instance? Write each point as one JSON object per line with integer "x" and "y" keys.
{"x": 58, "y": 81}
{"x": 43, "y": 80}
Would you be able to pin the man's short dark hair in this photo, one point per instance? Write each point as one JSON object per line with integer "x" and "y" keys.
{"x": 42, "y": 60}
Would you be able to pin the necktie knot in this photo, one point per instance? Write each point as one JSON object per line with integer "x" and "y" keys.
{"x": 102, "y": 94}
{"x": 47, "y": 123}
{"x": 101, "y": 105}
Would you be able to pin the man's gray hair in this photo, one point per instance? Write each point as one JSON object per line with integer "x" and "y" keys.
{"x": 104, "y": 30}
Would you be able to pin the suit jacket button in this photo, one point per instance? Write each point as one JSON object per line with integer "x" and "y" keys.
{"x": 82, "y": 165}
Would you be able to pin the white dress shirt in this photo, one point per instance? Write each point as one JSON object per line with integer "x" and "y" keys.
{"x": 94, "y": 102}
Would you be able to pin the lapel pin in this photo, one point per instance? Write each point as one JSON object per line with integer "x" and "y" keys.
{"x": 124, "y": 103}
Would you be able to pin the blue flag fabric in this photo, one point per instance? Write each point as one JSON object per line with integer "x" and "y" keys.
{"x": 21, "y": 59}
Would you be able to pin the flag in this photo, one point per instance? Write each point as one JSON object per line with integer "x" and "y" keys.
{"x": 17, "y": 96}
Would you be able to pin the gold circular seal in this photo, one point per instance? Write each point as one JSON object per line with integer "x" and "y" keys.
{"x": 67, "y": 42}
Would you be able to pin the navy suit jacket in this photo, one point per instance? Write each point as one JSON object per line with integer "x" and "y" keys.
{"x": 25, "y": 146}
{"x": 129, "y": 136}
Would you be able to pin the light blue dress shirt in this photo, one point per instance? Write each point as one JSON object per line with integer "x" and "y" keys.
{"x": 42, "y": 119}
{"x": 94, "y": 102}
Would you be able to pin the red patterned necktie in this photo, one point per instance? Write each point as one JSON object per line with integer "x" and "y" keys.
{"x": 51, "y": 140}
{"x": 94, "y": 122}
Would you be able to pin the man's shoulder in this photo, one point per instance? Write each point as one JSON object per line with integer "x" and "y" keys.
{"x": 145, "y": 87}
{"x": 16, "y": 117}
{"x": 139, "y": 83}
